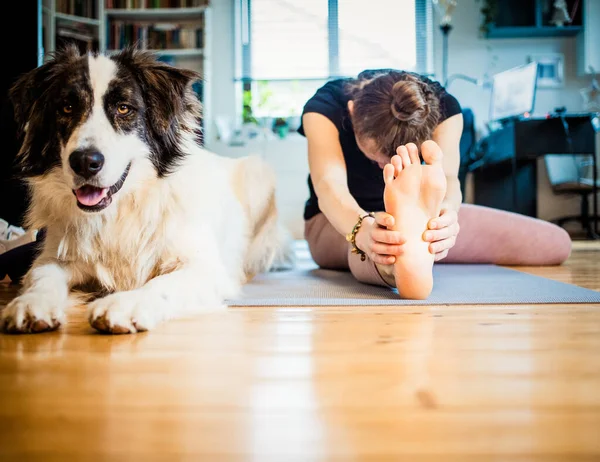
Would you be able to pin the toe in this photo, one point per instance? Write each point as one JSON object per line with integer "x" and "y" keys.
{"x": 397, "y": 163}
{"x": 100, "y": 323}
{"x": 40, "y": 326}
{"x": 120, "y": 330}
{"x": 432, "y": 153}
{"x": 388, "y": 174}
{"x": 139, "y": 327}
{"x": 413, "y": 153}
{"x": 12, "y": 329}
{"x": 11, "y": 325}
{"x": 403, "y": 153}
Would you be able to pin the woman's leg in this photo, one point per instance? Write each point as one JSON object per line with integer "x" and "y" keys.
{"x": 494, "y": 236}
{"x": 330, "y": 250}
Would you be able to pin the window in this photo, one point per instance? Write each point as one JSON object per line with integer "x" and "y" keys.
{"x": 381, "y": 35}
{"x": 290, "y": 48}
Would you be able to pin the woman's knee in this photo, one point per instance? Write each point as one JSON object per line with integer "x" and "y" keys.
{"x": 558, "y": 246}
{"x": 552, "y": 244}
{"x": 495, "y": 236}
{"x": 316, "y": 249}
{"x": 326, "y": 259}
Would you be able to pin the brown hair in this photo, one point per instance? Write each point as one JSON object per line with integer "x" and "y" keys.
{"x": 394, "y": 108}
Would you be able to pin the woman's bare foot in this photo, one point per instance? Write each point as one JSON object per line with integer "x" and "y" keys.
{"x": 413, "y": 195}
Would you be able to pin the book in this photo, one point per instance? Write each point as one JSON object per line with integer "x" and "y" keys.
{"x": 158, "y": 36}
{"x": 80, "y": 35}
{"x": 141, "y": 4}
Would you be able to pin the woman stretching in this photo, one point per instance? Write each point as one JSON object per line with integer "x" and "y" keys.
{"x": 385, "y": 199}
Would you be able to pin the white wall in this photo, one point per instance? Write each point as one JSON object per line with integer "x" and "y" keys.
{"x": 468, "y": 54}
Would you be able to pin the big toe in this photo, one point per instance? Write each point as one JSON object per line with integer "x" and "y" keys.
{"x": 431, "y": 152}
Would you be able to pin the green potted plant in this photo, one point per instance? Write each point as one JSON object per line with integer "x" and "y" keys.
{"x": 281, "y": 127}
{"x": 247, "y": 116}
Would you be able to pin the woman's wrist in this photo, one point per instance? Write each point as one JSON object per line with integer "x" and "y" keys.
{"x": 362, "y": 235}
{"x": 453, "y": 199}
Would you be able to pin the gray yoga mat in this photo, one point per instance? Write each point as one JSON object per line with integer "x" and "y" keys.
{"x": 453, "y": 285}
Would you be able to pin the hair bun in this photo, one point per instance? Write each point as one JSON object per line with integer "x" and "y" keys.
{"x": 393, "y": 108}
{"x": 409, "y": 101}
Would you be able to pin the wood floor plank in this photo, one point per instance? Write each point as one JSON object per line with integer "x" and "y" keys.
{"x": 431, "y": 383}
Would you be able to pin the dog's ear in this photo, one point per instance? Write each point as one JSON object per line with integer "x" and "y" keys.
{"x": 39, "y": 149}
{"x": 26, "y": 91}
{"x": 29, "y": 89}
{"x": 167, "y": 90}
{"x": 172, "y": 107}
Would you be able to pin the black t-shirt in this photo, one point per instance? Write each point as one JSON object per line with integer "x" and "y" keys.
{"x": 365, "y": 178}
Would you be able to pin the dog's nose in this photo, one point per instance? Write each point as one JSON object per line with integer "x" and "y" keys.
{"x": 86, "y": 162}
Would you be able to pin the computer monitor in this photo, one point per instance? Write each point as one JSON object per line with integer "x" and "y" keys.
{"x": 513, "y": 92}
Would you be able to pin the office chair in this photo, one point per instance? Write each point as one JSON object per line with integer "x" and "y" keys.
{"x": 567, "y": 175}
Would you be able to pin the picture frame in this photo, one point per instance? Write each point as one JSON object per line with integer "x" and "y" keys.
{"x": 551, "y": 67}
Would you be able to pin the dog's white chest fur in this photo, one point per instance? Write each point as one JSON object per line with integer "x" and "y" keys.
{"x": 157, "y": 226}
{"x": 126, "y": 249}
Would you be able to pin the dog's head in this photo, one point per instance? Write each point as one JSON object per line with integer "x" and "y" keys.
{"x": 92, "y": 120}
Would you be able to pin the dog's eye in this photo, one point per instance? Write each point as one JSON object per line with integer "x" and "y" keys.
{"x": 67, "y": 109}
{"x": 123, "y": 109}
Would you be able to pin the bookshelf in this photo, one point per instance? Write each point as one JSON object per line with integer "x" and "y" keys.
{"x": 78, "y": 21}
{"x": 148, "y": 14}
{"x": 184, "y": 52}
{"x": 178, "y": 31}
{"x": 110, "y": 24}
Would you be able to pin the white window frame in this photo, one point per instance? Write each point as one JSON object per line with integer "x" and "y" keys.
{"x": 243, "y": 41}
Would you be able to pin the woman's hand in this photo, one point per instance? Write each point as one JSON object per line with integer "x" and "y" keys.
{"x": 381, "y": 245}
{"x": 442, "y": 232}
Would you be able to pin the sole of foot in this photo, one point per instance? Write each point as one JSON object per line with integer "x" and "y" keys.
{"x": 413, "y": 195}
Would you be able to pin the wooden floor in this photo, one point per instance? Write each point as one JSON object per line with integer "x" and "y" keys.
{"x": 447, "y": 383}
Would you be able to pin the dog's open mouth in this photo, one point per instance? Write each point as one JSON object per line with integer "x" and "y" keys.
{"x": 93, "y": 198}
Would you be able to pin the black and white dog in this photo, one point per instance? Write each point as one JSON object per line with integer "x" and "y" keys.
{"x": 131, "y": 204}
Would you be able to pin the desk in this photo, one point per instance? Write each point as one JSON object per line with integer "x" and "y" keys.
{"x": 509, "y": 159}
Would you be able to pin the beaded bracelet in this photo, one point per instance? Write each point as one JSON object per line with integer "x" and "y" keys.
{"x": 351, "y": 237}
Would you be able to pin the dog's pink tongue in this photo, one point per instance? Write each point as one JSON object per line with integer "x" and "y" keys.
{"x": 90, "y": 195}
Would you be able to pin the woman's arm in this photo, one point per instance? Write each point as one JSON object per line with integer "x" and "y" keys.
{"x": 329, "y": 177}
{"x": 447, "y": 135}
{"x": 328, "y": 173}
{"x": 445, "y": 228}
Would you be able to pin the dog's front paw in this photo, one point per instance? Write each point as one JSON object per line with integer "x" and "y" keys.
{"x": 33, "y": 312}
{"x": 122, "y": 313}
